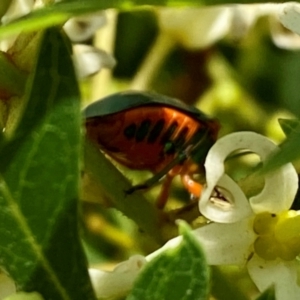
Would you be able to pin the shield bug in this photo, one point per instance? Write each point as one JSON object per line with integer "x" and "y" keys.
{"x": 149, "y": 131}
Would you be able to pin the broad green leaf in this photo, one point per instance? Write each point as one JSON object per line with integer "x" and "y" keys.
{"x": 289, "y": 125}
{"x": 39, "y": 243}
{"x": 268, "y": 294}
{"x": 176, "y": 274}
{"x": 289, "y": 152}
{"x": 50, "y": 77}
{"x": 61, "y": 11}
{"x": 289, "y": 148}
{"x": 114, "y": 185}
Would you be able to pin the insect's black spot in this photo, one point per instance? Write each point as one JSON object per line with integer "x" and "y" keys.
{"x": 129, "y": 131}
{"x": 168, "y": 134}
{"x": 142, "y": 131}
{"x": 156, "y": 131}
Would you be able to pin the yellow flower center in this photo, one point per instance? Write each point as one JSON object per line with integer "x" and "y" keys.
{"x": 278, "y": 235}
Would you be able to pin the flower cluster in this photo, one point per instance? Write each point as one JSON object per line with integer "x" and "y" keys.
{"x": 260, "y": 232}
{"x": 235, "y": 21}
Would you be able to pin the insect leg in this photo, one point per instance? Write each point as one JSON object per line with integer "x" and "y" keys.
{"x": 158, "y": 176}
{"x": 192, "y": 186}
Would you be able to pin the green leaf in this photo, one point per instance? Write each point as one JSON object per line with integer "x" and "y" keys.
{"x": 61, "y": 11}
{"x": 49, "y": 78}
{"x": 289, "y": 125}
{"x": 39, "y": 243}
{"x": 176, "y": 274}
{"x": 289, "y": 151}
{"x": 114, "y": 184}
{"x": 289, "y": 148}
{"x": 268, "y": 294}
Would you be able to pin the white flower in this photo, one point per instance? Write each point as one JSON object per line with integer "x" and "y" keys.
{"x": 17, "y": 9}
{"x": 89, "y": 60}
{"x": 260, "y": 232}
{"x": 82, "y": 28}
{"x": 279, "y": 189}
{"x": 289, "y": 16}
{"x": 201, "y": 27}
{"x": 115, "y": 284}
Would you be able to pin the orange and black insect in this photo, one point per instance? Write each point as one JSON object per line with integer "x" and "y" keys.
{"x": 149, "y": 131}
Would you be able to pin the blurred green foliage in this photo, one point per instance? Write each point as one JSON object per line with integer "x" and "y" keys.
{"x": 247, "y": 84}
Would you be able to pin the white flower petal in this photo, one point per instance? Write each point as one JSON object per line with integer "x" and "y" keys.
{"x": 214, "y": 166}
{"x": 279, "y": 191}
{"x": 244, "y": 16}
{"x": 84, "y": 27}
{"x": 17, "y": 9}
{"x": 110, "y": 285}
{"x": 282, "y": 274}
{"x": 134, "y": 263}
{"x": 282, "y": 37}
{"x": 90, "y": 60}
{"x": 222, "y": 243}
{"x": 289, "y": 16}
{"x": 227, "y": 243}
{"x": 238, "y": 208}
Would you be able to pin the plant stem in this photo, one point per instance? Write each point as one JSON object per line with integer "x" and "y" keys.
{"x": 152, "y": 63}
{"x": 105, "y": 40}
{"x": 113, "y": 184}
